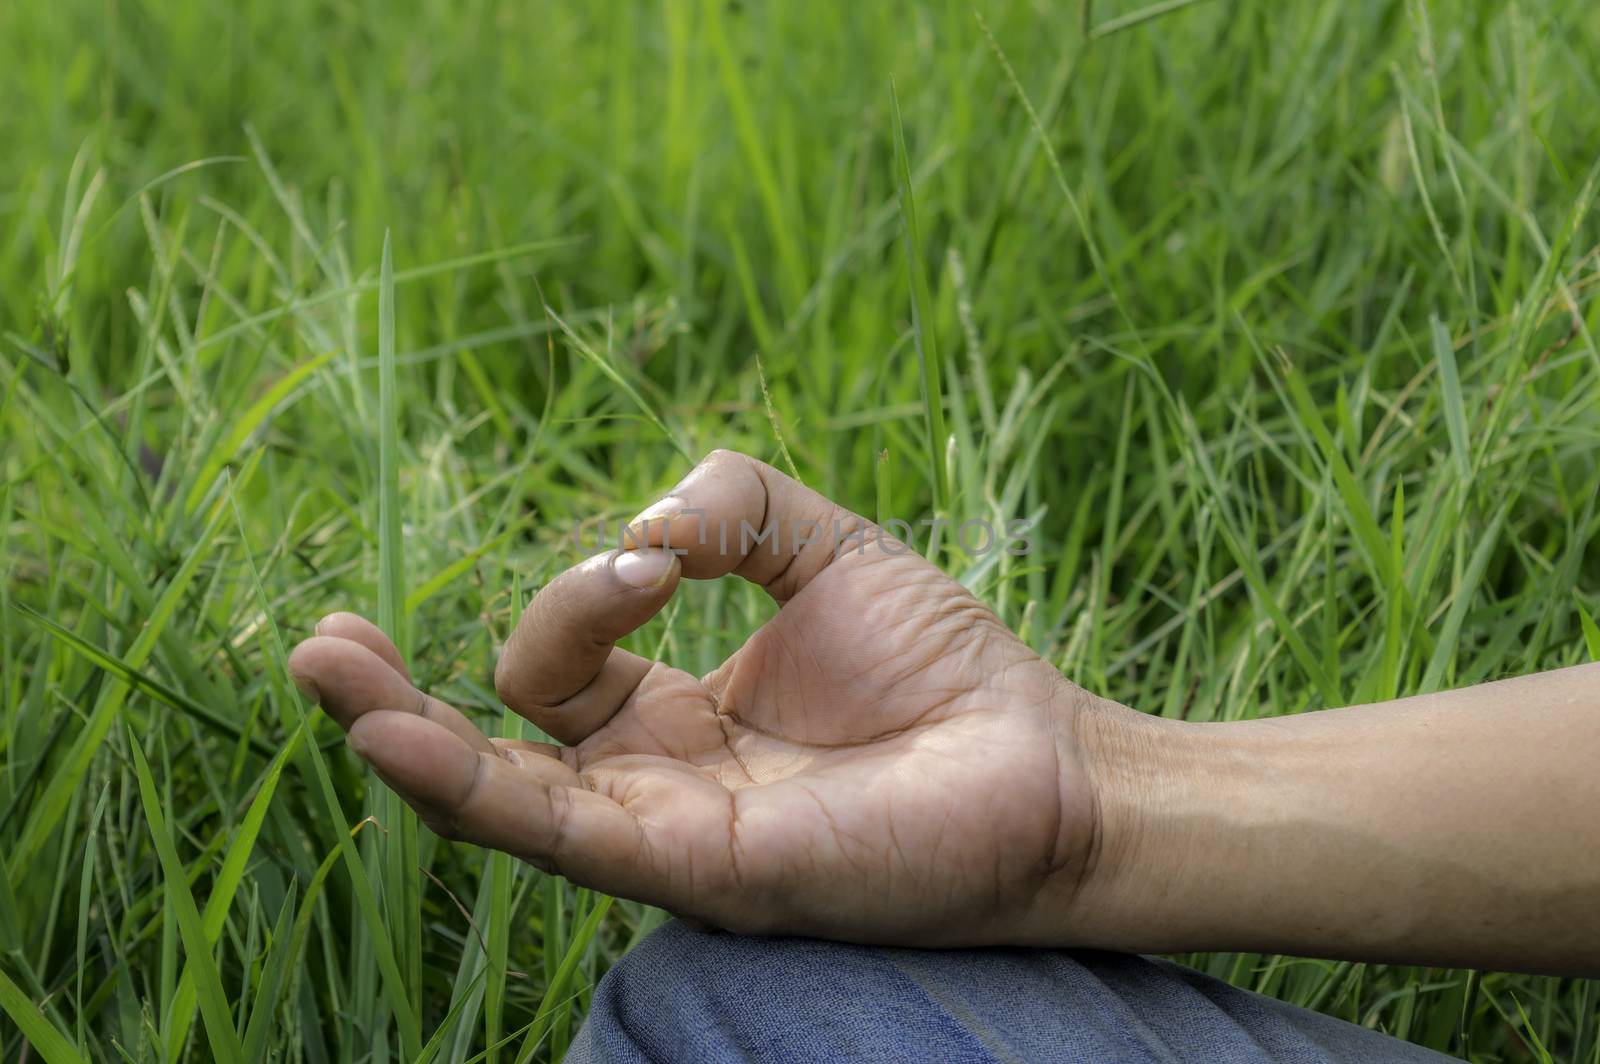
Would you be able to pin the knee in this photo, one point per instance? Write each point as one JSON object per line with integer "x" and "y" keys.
{"x": 706, "y": 995}
{"x": 683, "y": 977}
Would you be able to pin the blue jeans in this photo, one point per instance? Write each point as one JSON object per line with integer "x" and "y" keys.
{"x": 690, "y": 996}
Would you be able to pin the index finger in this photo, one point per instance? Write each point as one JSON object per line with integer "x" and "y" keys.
{"x": 735, "y": 514}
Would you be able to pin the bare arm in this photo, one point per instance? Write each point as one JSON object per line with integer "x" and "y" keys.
{"x": 1460, "y": 828}
{"x": 884, "y": 761}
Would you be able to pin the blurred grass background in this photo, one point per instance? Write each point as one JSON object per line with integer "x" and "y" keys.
{"x": 1278, "y": 319}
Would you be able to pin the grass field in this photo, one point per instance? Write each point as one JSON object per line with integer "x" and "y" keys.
{"x": 1278, "y": 317}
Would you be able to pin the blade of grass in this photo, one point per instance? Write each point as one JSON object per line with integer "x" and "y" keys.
{"x": 563, "y": 975}
{"x": 336, "y": 293}
{"x": 1137, "y": 17}
{"x": 402, "y": 881}
{"x": 502, "y": 876}
{"x": 1591, "y": 631}
{"x": 273, "y": 967}
{"x": 1393, "y": 632}
{"x": 615, "y": 376}
{"x": 922, "y": 325}
{"x": 224, "y": 1042}
{"x": 1357, "y": 511}
{"x": 1079, "y": 214}
{"x": 442, "y": 579}
{"x": 792, "y": 269}
{"x": 772, "y": 419}
{"x": 499, "y": 935}
{"x": 86, "y": 899}
{"x": 451, "y": 1019}
{"x": 1455, "y": 418}
{"x": 223, "y": 890}
{"x": 391, "y": 546}
{"x": 394, "y": 986}
{"x": 140, "y": 681}
{"x": 58, "y": 792}
{"x": 1246, "y": 557}
{"x": 1112, "y": 527}
{"x": 273, "y": 984}
{"x": 248, "y": 422}
{"x": 1450, "y": 632}
{"x": 41, "y": 1034}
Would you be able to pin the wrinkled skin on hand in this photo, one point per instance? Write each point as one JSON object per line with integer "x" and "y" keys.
{"x": 882, "y": 761}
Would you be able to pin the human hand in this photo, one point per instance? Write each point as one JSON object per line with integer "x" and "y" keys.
{"x": 882, "y": 761}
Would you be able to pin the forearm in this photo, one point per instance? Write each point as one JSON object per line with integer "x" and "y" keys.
{"x": 1460, "y": 828}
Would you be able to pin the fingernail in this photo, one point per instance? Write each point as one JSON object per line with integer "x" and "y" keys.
{"x": 671, "y": 506}
{"x": 644, "y": 568}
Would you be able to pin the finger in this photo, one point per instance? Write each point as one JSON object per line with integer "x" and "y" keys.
{"x": 488, "y": 799}
{"x": 558, "y": 669}
{"x": 517, "y": 749}
{"x": 580, "y": 715}
{"x": 358, "y": 629}
{"x": 734, "y": 514}
{"x": 349, "y": 680}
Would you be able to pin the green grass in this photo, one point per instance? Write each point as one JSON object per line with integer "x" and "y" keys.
{"x": 1278, "y": 318}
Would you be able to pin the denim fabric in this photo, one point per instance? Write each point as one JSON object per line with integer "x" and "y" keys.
{"x": 684, "y": 996}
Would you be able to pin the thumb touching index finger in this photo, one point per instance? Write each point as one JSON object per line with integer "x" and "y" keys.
{"x": 735, "y": 514}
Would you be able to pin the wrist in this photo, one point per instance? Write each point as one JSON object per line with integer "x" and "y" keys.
{"x": 1134, "y": 768}
{"x": 1165, "y": 828}
{"x": 1169, "y": 805}
{"x": 1094, "y": 871}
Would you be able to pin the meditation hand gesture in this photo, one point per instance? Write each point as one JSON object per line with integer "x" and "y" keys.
{"x": 882, "y": 761}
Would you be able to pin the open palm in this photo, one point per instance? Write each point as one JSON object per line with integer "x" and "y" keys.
{"x": 882, "y": 761}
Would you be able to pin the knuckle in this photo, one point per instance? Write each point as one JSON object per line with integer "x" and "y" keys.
{"x": 724, "y": 459}
{"x": 503, "y": 684}
{"x": 560, "y": 818}
{"x": 444, "y": 828}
